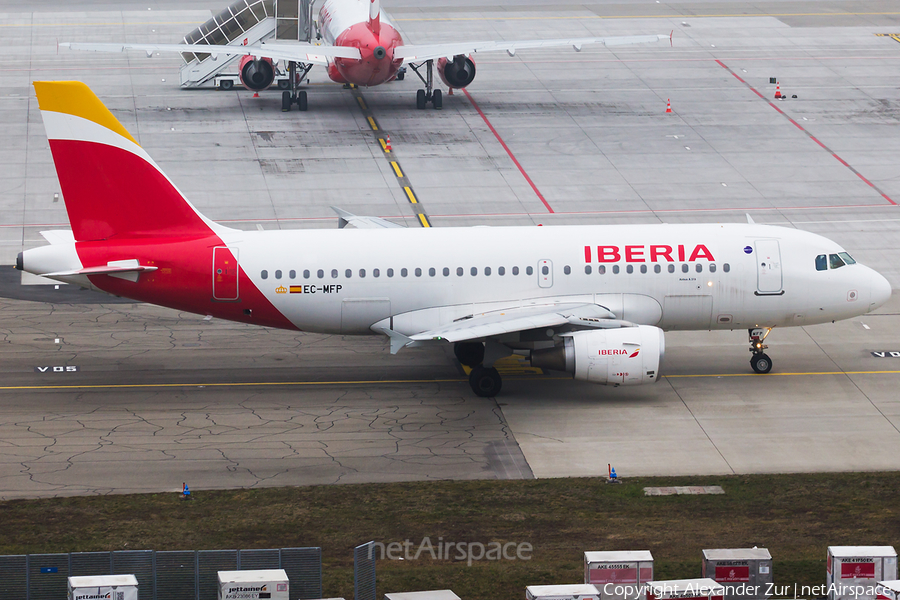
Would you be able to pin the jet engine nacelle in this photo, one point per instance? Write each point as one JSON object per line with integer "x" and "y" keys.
{"x": 456, "y": 73}
{"x": 622, "y": 356}
{"x": 257, "y": 74}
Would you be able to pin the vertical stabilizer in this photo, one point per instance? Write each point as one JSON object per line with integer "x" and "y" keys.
{"x": 111, "y": 186}
{"x": 375, "y": 16}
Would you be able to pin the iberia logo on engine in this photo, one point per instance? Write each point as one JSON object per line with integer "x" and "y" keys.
{"x": 619, "y": 352}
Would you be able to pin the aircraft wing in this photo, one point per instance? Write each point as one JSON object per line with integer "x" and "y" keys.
{"x": 499, "y": 322}
{"x": 305, "y": 53}
{"x": 422, "y": 52}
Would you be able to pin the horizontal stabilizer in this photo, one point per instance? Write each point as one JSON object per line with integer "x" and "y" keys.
{"x": 345, "y": 218}
{"x": 59, "y": 236}
{"x": 114, "y": 267}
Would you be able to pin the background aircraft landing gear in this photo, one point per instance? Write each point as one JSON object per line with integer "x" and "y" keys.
{"x": 485, "y": 381}
{"x": 296, "y": 73}
{"x": 300, "y": 100}
{"x": 760, "y": 361}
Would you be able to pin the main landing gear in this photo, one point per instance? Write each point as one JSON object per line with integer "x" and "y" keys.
{"x": 295, "y": 96}
{"x": 760, "y": 361}
{"x": 429, "y": 94}
{"x": 485, "y": 381}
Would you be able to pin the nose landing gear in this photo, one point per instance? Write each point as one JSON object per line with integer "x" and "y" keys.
{"x": 760, "y": 361}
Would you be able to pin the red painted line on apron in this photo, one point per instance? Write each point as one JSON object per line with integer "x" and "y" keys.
{"x": 508, "y": 151}
{"x": 811, "y": 136}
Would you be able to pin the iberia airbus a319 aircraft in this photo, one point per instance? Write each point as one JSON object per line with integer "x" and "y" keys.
{"x": 592, "y": 301}
{"x": 363, "y": 47}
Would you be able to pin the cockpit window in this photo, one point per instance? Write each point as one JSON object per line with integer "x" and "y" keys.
{"x": 835, "y": 261}
{"x": 821, "y": 263}
{"x": 846, "y": 258}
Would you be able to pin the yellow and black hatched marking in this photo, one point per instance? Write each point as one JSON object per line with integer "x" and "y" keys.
{"x": 895, "y": 36}
{"x": 512, "y": 365}
{"x": 402, "y": 179}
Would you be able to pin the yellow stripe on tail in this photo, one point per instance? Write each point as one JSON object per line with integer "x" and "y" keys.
{"x": 77, "y": 99}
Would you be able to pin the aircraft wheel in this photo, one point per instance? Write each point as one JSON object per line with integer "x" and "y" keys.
{"x": 226, "y": 84}
{"x": 470, "y": 354}
{"x": 302, "y": 103}
{"x": 285, "y": 101}
{"x": 420, "y": 99}
{"x": 761, "y": 363}
{"x": 401, "y": 74}
{"x": 485, "y": 381}
{"x": 437, "y": 100}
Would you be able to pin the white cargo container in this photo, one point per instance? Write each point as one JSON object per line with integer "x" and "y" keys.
{"x": 619, "y": 575}
{"x": 253, "y": 585}
{"x": 889, "y": 590}
{"x": 686, "y": 589}
{"x": 746, "y": 573}
{"x": 852, "y": 571}
{"x": 431, "y": 595}
{"x": 115, "y": 587}
{"x": 576, "y": 591}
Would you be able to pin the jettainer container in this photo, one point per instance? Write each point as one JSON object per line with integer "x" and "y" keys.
{"x": 746, "y": 573}
{"x": 115, "y": 587}
{"x": 253, "y": 585}
{"x": 575, "y": 591}
{"x": 685, "y": 589}
{"x": 890, "y": 590}
{"x": 619, "y": 575}
{"x": 430, "y": 595}
{"x": 852, "y": 572}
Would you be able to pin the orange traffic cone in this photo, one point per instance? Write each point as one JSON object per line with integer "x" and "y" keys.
{"x": 778, "y": 90}
{"x": 256, "y": 94}
{"x": 668, "y": 106}
{"x": 387, "y": 143}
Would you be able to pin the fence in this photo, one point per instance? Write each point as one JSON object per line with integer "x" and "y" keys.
{"x": 174, "y": 575}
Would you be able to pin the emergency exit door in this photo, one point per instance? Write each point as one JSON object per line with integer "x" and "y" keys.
{"x": 545, "y": 273}
{"x": 225, "y": 274}
{"x": 768, "y": 267}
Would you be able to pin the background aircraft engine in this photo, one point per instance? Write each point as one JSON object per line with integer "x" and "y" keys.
{"x": 456, "y": 73}
{"x": 623, "y": 356}
{"x": 256, "y": 74}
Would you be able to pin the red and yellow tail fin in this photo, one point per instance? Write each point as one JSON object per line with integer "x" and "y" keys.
{"x": 111, "y": 186}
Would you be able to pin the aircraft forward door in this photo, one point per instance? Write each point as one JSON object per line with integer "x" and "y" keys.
{"x": 545, "y": 273}
{"x": 768, "y": 268}
{"x": 225, "y": 274}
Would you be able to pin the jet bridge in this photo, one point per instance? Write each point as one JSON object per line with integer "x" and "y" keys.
{"x": 243, "y": 23}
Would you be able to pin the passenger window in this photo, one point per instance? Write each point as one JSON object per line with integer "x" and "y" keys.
{"x": 446, "y": 272}
{"x": 671, "y": 268}
{"x": 643, "y": 268}
{"x": 320, "y": 274}
{"x": 487, "y": 271}
{"x": 587, "y": 269}
{"x": 501, "y": 271}
{"x": 685, "y": 268}
{"x": 515, "y": 271}
{"x": 348, "y": 273}
{"x": 567, "y": 270}
{"x": 629, "y": 269}
{"x": 545, "y": 270}
{"x": 616, "y": 269}
{"x": 459, "y": 271}
{"x": 431, "y": 272}
{"x": 362, "y": 272}
{"x": 726, "y": 267}
{"x": 264, "y": 274}
{"x": 848, "y": 260}
{"x": 601, "y": 270}
{"x": 404, "y": 272}
{"x": 529, "y": 271}
{"x": 712, "y": 267}
{"x": 835, "y": 261}
{"x": 390, "y": 272}
{"x": 473, "y": 271}
{"x": 698, "y": 267}
{"x": 418, "y": 272}
{"x": 334, "y": 273}
{"x": 278, "y": 274}
{"x": 305, "y": 273}
{"x": 376, "y": 272}
{"x": 657, "y": 269}
{"x": 292, "y": 274}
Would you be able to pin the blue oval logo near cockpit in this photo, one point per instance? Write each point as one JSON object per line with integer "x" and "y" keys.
{"x": 748, "y": 250}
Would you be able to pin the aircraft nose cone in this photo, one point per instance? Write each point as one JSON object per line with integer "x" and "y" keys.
{"x": 881, "y": 290}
